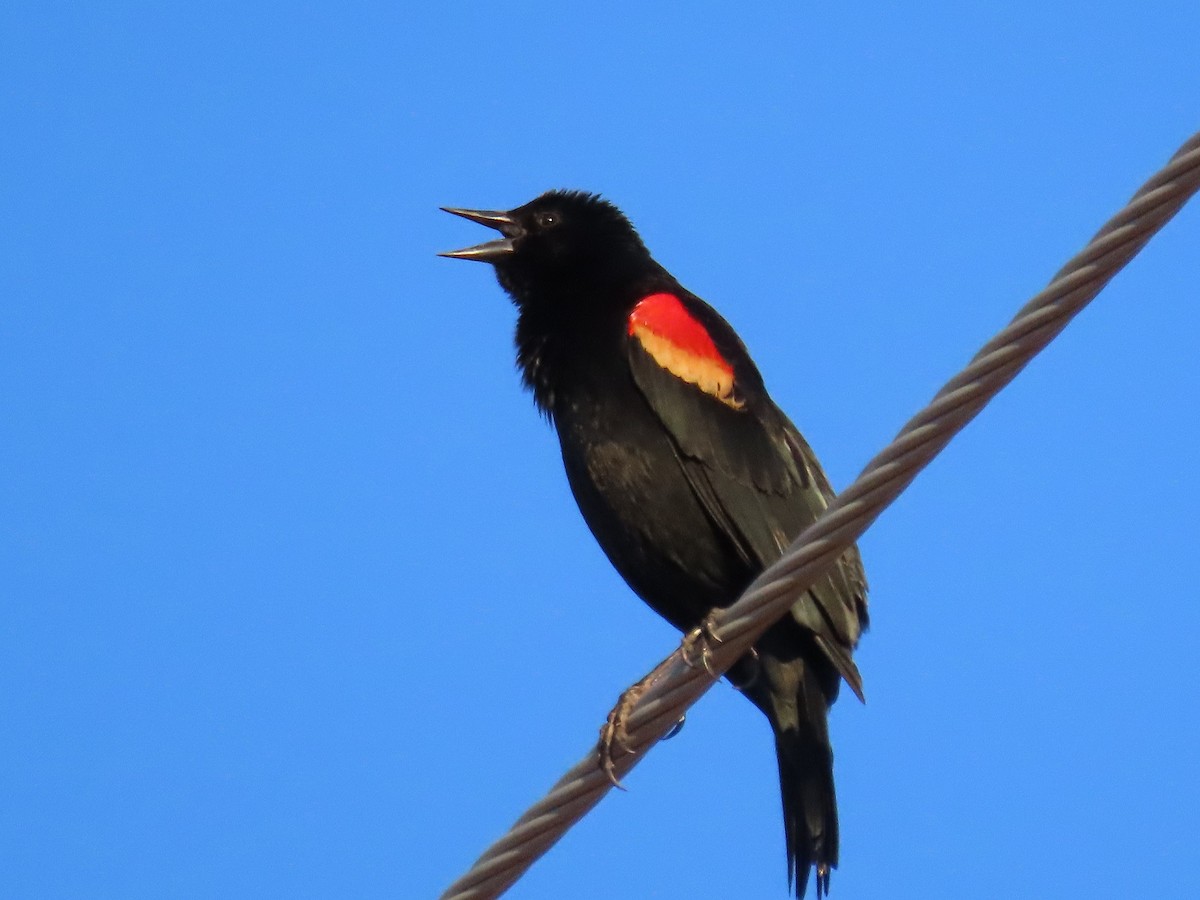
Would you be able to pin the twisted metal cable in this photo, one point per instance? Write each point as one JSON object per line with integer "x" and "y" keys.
{"x": 672, "y": 686}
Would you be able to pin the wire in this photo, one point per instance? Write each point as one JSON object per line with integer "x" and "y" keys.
{"x": 673, "y": 685}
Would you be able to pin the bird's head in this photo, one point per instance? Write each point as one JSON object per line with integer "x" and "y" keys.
{"x": 558, "y": 240}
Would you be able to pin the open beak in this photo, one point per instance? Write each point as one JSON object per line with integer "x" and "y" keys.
{"x": 492, "y": 251}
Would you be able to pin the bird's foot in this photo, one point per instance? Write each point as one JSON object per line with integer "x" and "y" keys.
{"x": 614, "y": 736}
{"x": 703, "y": 636}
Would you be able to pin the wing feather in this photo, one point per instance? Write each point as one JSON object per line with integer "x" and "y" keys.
{"x": 757, "y": 479}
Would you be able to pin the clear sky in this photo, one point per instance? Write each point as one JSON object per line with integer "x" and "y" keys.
{"x": 294, "y": 601}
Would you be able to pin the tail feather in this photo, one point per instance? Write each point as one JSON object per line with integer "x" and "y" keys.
{"x": 810, "y": 824}
{"x": 796, "y": 697}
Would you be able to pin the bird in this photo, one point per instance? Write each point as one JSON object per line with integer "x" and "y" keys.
{"x": 689, "y": 476}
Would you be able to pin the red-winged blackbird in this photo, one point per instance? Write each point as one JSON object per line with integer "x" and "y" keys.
{"x": 687, "y": 473}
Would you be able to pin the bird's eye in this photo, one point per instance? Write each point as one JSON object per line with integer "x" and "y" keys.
{"x": 547, "y": 220}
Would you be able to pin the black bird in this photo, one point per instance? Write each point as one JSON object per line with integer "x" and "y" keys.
{"x": 688, "y": 474}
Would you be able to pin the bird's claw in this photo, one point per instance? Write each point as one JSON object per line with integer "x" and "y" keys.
{"x": 676, "y": 728}
{"x": 614, "y": 734}
{"x": 703, "y": 636}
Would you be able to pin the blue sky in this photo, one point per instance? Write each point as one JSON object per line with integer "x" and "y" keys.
{"x": 294, "y": 601}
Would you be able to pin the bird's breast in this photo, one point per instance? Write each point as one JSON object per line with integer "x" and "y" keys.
{"x": 625, "y": 473}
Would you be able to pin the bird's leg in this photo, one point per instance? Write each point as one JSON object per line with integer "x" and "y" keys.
{"x": 613, "y": 733}
{"x": 702, "y": 635}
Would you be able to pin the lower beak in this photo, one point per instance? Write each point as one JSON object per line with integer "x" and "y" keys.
{"x": 492, "y": 251}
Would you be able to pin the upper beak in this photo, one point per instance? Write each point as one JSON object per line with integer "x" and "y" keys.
{"x": 492, "y": 251}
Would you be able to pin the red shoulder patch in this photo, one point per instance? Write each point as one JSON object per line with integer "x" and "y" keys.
{"x": 677, "y": 341}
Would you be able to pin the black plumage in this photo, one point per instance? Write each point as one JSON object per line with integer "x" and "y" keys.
{"x": 690, "y": 477}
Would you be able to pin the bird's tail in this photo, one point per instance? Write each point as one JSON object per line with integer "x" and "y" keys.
{"x": 796, "y": 699}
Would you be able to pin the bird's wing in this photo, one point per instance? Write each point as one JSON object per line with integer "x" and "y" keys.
{"x": 751, "y": 469}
